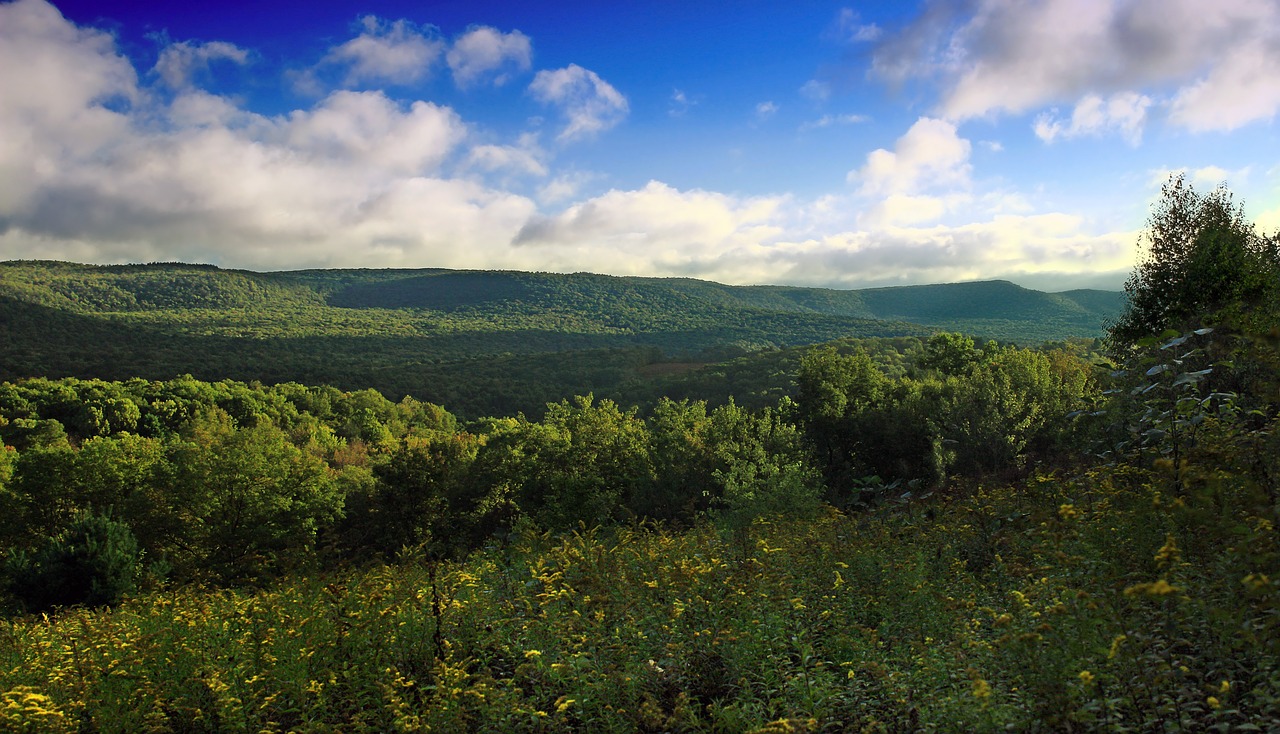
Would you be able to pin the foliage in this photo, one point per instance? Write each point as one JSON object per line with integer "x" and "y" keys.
{"x": 483, "y": 343}
{"x": 1203, "y": 260}
{"x": 94, "y": 561}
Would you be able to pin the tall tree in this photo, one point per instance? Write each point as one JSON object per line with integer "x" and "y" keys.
{"x": 1202, "y": 259}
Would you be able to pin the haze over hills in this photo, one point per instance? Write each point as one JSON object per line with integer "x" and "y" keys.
{"x": 450, "y": 335}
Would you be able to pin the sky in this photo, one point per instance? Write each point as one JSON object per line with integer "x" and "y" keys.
{"x": 840, "y": 145}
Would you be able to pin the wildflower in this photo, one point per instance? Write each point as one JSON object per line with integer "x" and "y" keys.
{"x": 839, "y": 581}
{"x": 1256, "y": 581}
{"x": 981, "y": 689}
{"x": 1168, "y": 553}
{"x": 1225, "y": 688}
{"x": 1115, "y": 646}
{"x": 1085, "y": 677}
{"x": 1068, "y": 511}
{"x": 1213, "y": 702}
{"x": 531, "y": 654}
{"x": 1155, "y": 588}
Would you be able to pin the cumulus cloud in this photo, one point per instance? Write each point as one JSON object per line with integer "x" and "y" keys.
{"x": 526, "y": 157}
{"x": 355, "y": 179}
{"x": 95, "y": 168}
{"x": 1049, "y": 249}
{"x": 1217, "y": 58}
{"x": 590, "y": 104}
{"x": 488, "y": 52}
{"x": 398, "y": 52}
{"x": 180, "y": 62}
{"x": 659, "y": 229}
{"x": 656, "y": 228}
{"x": 1124, "y": 113}
{"x": 931, "y": 155}
{"x": 765, "y": 110}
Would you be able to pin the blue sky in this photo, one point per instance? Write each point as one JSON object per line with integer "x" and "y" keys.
{"x": 826, "y": 144}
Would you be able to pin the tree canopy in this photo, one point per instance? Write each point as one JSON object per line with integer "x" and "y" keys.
{"x": 1202, "y": 259}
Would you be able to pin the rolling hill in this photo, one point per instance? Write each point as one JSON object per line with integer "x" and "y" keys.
{"x": 480, "y": 342}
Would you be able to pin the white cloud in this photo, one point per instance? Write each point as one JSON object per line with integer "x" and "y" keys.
{"x": 357, "y": 179}
{"x": 929, "y": 156}
{"x": 816, "y": 91}
{"x": 368, "y": 129}
{"x": 1204, "y": 177}
{"x": 1268, "y": 222}
{"x": 680, "y": 103}
{"x": 765, "y": 110}
{"x": 95, "y": 169}
{"x": 849, "y": 28}
{"x": 399, "y": 52}
{"x": 526, "y": 157}
{"x": 1125, "y": 113}
{"x": 565, "y": 187}
{"x": 482, "y": 51}
{"x": 180, "y": 62}
{"x": 654, "y": 229}
{"x": 1218, "y": 58}
{"x": 1240, "y": 89}
{"x": 588, "y": 102}
{"x": 52, "y": 114}
{"x": 833, "y": 120}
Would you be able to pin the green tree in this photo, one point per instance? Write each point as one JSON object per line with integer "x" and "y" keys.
{"x": 948, "y": 353}
{"x": 1202, "y": 259}
{"x": 833, "y": 390}
{"x": 93, "y": 562}
{"x": 683, "y": 460}
{"x": 249, "y": 501}
{"x": 762, "y": 466}
{"x": 411, "y": 505}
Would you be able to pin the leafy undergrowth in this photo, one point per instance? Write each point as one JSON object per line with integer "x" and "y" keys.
{"x": 1094, "y": 601}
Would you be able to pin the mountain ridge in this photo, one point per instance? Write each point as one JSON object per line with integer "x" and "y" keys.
{"x": 480, "y": 342}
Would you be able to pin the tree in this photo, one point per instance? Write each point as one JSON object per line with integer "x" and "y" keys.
{"x": 93, "y": 562}
{"x": 1203, "y": 260}
{"x": 950, "y": 354}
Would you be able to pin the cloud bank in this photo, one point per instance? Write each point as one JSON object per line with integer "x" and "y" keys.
{"x": 1213, "y": 64}
{"x": 102, "y": 163}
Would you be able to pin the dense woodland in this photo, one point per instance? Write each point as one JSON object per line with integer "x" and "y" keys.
{"x": 481, "y": 343}
{"x": 887, "y": 532}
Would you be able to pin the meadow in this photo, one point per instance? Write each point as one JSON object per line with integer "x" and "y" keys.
{"x": 1089, "y": 601}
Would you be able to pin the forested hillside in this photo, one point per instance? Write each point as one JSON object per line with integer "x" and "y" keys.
{"x": 483, "y": 343}
{"x": 899, "y": 533}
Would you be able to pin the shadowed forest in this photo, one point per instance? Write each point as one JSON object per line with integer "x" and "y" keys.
{"x": 473, "y": 501}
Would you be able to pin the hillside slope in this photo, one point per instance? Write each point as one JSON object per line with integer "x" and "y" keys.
{"x": 482, "y": 342}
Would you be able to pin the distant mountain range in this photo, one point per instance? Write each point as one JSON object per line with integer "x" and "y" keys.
{"x": 437, "y": 333}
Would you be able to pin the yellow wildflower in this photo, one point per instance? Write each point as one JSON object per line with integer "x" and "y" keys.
{"x": 531, "y": 654}
{"x": 1225, "y": 688}
{"x": 1085, "y": 677}
{"x": 1213, "y": 702}
{"x": 981, "y": 689}
{"x": 1168, "y": 553}
{"x": 1155, "y": 588}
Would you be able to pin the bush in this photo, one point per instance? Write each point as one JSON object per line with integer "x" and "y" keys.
{"x": 93, "y": 563}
